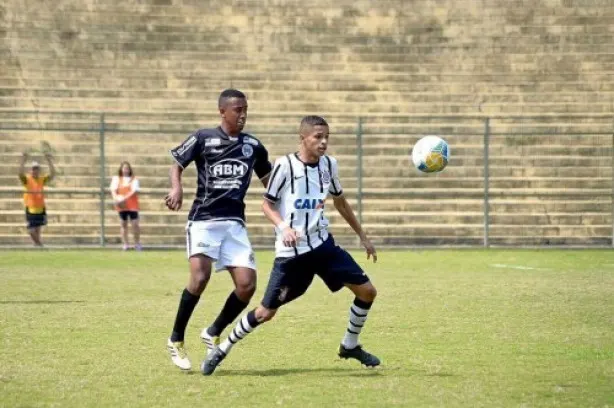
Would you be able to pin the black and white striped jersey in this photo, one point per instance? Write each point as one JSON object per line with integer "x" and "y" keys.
{"x": 224, "y": 165}
{"x": 299, "y": 191}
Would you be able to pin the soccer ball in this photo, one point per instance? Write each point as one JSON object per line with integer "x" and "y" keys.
{"x": 430, "y": 154}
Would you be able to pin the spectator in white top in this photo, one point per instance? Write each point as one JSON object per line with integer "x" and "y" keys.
{"x": 124, "y": 189}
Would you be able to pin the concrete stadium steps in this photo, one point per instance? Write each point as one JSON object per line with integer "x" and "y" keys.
{"x": 153, "y": 241}
{"x": 147, "y": 55}
{"x": 355, "y": 107}
{"x": 416, "y": 235}
{"x": 369, "y": 163}
{"x": 263, "y": 97}
{"x": 281, "y": 121}
{"x": 387, "y": 183}
{"x": 166, "y": 217}
{"x": 524, "y": 144}
{"x": 522, "y": 205}
{"x": 355, "y": 68}
{"x": 441, "y": 218}
{"x": 71, "y": 202}
{"x": 550, "y": 178}
{"x": 162, "y": 230}
{"x": 190, "y": 38}
{"x": 58, "y": 80}
{"x": 88, "y": 166}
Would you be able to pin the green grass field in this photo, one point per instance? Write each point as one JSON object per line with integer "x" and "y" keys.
{"x": 453, "y": 328}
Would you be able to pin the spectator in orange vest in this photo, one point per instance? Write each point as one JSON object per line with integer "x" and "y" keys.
{"x": 125, "y": 190}
{"x": 34, "y": 199}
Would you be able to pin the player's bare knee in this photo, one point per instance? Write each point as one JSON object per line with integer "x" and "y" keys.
{"x": 371, "y": 292}
{"x": 198, "y": 281}
{"x": 366, "y": 292}
{"x": 245, "y": 290}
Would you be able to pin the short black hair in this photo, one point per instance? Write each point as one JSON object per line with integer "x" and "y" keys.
{"x": 312, "y": 120}
{"x": 228, "y": 94}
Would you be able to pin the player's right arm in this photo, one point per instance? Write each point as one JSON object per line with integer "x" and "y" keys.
{"x": 174, "y": 199}
{"x": 288, "y": 234}
{"x": 275, "y": 190}
{"x": 184, "y": 154}
{"x": 22, "y": 167}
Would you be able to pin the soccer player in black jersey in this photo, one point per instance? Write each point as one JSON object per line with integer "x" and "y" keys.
{"x": 225, "y": 158}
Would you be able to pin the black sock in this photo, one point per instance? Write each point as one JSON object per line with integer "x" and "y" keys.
{"x": 251, "y": 319}
{"x": 362, "y": 304}
{"x": 186, "y": 307}
{"x": 232, "y": 308}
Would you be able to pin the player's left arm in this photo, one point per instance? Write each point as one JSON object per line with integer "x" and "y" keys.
{"x": 262, "y": 165}
{"x": 344, "y": 208}
{"x": 22, "y": 168}
{"x": 52, "y": 171}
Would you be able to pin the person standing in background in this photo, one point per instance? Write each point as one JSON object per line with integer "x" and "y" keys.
{"x": 125, "y": 191}
{"x": 34, "y": 198}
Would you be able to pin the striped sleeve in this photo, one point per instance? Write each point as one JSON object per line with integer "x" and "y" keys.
{"x": 335, "y": 185}
{"x": 277, "y": 181}
{"x": 188, "y": 151}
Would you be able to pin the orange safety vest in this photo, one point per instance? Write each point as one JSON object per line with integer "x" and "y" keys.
{"x": 33, "y": 198}
{"x": 132, "y": 203}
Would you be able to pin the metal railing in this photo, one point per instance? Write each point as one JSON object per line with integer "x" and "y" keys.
{"x": 500, "y": 132}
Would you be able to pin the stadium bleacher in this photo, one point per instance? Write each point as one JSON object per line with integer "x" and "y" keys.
{"x": 155, "y": 69}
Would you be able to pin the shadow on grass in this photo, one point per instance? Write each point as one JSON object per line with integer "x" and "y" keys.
{"x": 330, "y": 371}
{"x": 360, "y": 372}
{"x": 38, "y": 302}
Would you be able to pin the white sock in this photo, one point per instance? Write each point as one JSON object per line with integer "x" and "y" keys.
{"x": 242, "y": 329}
{"x": 358, "y": 317}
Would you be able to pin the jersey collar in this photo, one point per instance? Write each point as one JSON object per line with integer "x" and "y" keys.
{"x": 314, "y": 165}
{"x": 226, "y": 137}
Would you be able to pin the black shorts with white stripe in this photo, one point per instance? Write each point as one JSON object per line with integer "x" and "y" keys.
{"x": 291, "y": 277}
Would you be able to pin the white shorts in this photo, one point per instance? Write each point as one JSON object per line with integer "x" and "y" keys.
{"x": 224, "y": 241}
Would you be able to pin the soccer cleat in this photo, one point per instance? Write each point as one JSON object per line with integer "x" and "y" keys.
{"x": 178, "y": 354}
{"x": 212, "y": 361}
{"x": 210, "y": 341}
{"x": 359, "y": 354}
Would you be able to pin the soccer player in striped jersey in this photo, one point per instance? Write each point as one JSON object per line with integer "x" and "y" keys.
{"x": 294, "y": 203}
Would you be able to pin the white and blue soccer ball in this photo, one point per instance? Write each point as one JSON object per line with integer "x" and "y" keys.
{"x": 431, "y": 154}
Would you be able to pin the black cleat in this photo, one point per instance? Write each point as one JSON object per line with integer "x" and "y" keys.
{"x": 214, "y": 358}
{"x": 359, "y": 354}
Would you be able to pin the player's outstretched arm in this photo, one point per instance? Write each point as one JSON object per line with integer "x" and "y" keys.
{"x": 22, "y": 166}
{"x": 174, "y": 198}
{"x": 288, "y": 234}
{"x": 344, "y": 208}
{"x": 52, "y": 171}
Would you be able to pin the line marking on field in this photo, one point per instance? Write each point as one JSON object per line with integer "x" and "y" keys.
{"x": 520, "y": 267}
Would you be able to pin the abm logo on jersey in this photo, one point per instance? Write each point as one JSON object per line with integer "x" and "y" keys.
{"x": 308, "y": 204}
{"x": 229, "y": 168}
